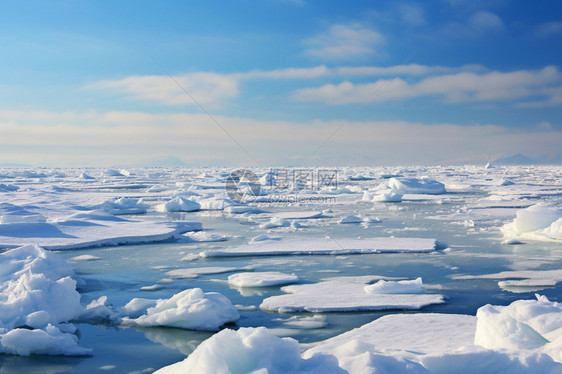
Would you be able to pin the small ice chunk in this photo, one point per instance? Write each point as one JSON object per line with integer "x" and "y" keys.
{"x": 261, "y": 279}
{"x": 179, "y": 204}
{"x": 396, "y": 287}
{"x": 388, "y": 196}
{"x": 50, "y": 341}
{"x": 416, "y": 186}
{"x": 350, "y": 219}
{"x": 275, "y": 222}
{"x": 85, "y": 258}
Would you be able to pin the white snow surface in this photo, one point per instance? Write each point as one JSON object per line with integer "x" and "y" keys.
{"x": 252, "y": 350}
{"x": 92, "y": 229}
{"x": 191, "y": 309}
{"x": 346, "y": 295}
{"x": 297, "y": 246}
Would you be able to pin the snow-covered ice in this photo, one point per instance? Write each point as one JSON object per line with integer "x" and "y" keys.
{"x": 538, "y": 222}
{"x": 345, "y": 295}
{"x": 85, "y": 230}
{"x": 252, "y": 350}
{"x": 261, "y": 279}
{"x": 296, "y": 246}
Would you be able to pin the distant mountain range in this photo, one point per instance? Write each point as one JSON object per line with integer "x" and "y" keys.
{"x": 521, "y": 159}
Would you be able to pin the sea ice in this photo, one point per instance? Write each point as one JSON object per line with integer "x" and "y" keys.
{"x": 297, "y": 246}
{"x": 37, "y": 297}
{"x": 344, "y": 295}
{"x": 538, "y": 222}
{"x": 197, "y": 271}
{"x": 191, "y": 309}
{"x": 179, "y": 204}
{"x": 416, "y": 186}
{"x": 522, "y": 325}
{"x": 85, "y": 230}
{"x": 252, "y": 350}
{"x": 261, "y": 279}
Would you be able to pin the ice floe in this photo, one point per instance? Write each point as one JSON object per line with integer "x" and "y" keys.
{"x": 339, "y": 295}
{"x": 296, "y": 246}
{"x": 261, "y": 279}
{"x": 195, "y": 272}
{"x": 537, "y": 222}
{"x": 84, "y": 230}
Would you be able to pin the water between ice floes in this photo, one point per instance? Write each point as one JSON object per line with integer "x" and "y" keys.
{"x": 121, "y": 271}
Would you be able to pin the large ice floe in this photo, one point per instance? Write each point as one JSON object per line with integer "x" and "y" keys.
{"x": 38, "y": 298}
{"x": 326, "y": 246}
{"x": 88, "y": 229}
{"x": 537, "y": 222}
{"x": 348, "y": 294}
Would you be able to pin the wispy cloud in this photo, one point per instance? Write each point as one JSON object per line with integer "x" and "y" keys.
{"x": 344, "y": 42}
{"x": 194, "y": 136}
{"x": 459, "y": 87}
{"x": 205, "y": 87}
{"x": 549, "y": 29}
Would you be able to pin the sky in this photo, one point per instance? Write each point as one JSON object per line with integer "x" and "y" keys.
{"x": 279, "y": 82}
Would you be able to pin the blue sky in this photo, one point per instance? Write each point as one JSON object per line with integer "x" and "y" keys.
{"x": 83, "y": 83}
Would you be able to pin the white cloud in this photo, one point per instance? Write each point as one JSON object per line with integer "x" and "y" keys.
{"x": 344, "y": 42}
{"x": 484, "y": 21}
{"x": 78, "y": 138}
{"x": 206, "y": 88}
{"x": 549, "y": 29}
{"x": 459, "y": 87}
{"x": 412, "y": 14}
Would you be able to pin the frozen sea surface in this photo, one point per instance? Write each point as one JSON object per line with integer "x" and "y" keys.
{"x": 471, "y": 260}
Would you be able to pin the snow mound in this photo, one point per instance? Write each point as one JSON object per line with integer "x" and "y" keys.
{"x": 124, "y": 205}
{"x": 396, "y": 287}
{"x": 387, "y": 196}
{"x": 300, "y": 246}
{"x": 252, "y": 350}
{"x": 350, "y": 219}
{"x": 261, "y": 279}
{"x": 191, "y": 309}
{"x": 50, "y": 341}
{"x": 537, "y": 222}
{"x": 179, "y": 204}
{"x": 345, "y": 295}
{"x": 416, "y": 186}
{"x": 522, "y": 325}
{"x": 37, "y": 297}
